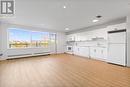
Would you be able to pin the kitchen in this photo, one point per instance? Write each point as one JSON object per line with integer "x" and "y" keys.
{"x": 95, "y": 44}
{"x": 65, "y": 43}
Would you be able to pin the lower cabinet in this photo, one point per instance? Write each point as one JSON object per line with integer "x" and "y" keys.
{"x": 76, "y": 50}
{"x": 81, "y": 51}
{"x": 99, "y": 53}
{"x": 84, "y": 51}
{"x": 93, "y": 52}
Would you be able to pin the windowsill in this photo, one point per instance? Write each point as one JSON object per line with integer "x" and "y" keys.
{"x": 27, "y": 48}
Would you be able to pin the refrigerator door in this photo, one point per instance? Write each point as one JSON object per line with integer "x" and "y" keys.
{"x": 117, "y": 54}
{"x": 119, "y": 37}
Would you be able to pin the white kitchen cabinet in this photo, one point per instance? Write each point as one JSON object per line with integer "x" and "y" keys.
{"x": 78, "y": 37}
{"x": 117, "y": 27}
{"x": 121, "y": 26}
{"x": 93, "y": 52}
{"x": 82, "y": 37}
{"x": 99, "y": 53}
{"x": 76, "y": 50}
{"x": 71, "y": 37}
{"x": 84, "y": 51}
{"x": 81, "y": 51}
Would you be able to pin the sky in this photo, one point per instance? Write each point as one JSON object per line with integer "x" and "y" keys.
{"x": 25, "y": 35}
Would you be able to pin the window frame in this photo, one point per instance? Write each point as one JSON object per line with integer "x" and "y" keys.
{"x": 30, "y": 47}
{"x": 42, "y": 46}
{"x": 8, "y": 39}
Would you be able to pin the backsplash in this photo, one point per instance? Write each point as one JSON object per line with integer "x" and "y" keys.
{"x": 91, "y": 43}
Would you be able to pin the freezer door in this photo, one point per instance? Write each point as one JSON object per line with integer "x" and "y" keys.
{"x": 117, "y": 54}
{"x": 119, "y": 37}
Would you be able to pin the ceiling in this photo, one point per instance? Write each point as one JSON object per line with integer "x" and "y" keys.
{"x": 50, "y": 14}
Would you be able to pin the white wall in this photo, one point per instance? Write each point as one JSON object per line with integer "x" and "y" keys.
{"x": 99, "y": 26}
{"x": 61, "y": 40}
{"x": 6, "y": 51}
{"x": 128, "y": 39}
{"x": 0, "y": 37}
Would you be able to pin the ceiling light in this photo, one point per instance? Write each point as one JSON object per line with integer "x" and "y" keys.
{"x": 98, "y": 16}
{"x": 64, "y": 6}
{"x": 95, "y": 20}
{"x": 66, "y": 28}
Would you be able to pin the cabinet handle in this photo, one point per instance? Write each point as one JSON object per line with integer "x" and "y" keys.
{"x": 94, "y": 50}
{"x": 102, "y": 51}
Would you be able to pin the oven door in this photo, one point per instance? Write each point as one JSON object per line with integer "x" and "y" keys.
{"x": 69, "y": 48}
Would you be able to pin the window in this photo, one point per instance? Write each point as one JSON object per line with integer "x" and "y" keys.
{"x": 19, "y": 38}
{"x": 52, "y": 37}
{"x": 45, "y": 39}
{"x": 40, "y": 39}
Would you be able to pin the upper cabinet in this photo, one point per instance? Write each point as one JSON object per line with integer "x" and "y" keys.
{"x": 117, "y": 27}
{"x": 71, "y": 37}
{"x": 76, "y": 37}
{"x": 98, "y": 33}
{"x": 80, "y": 37}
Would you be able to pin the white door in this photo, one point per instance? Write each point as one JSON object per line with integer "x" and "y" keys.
{"x": 117, "y": 54}
{"x": 53, "y": 43}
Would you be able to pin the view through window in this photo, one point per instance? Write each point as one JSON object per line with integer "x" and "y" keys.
{"x": 40, "y": 39}
{"x": 19, "y": 38}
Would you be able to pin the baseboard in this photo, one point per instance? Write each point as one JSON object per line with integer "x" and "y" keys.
{"x": 1, "y": 59}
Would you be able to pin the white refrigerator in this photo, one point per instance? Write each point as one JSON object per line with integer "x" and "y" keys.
{"x": 117, "y": 47}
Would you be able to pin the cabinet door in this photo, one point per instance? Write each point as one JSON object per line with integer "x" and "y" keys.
{"x": 84, "y": 51}
{"x": 104, "y": 53}
{"x": 76, "y": 50}
{"x": 77, "y": 37}
{"x": 93, "y": 52}
{"x": 117, "y": 26}
{"x": 121, "y": 26}
{"x": 70, "y": 37}
{"x": 98, "y": 53}
{"x": 101, "y": 53}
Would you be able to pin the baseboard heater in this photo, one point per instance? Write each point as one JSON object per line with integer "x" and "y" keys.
{"x": 42, "y": 53}
{"x": 27, "y": 55}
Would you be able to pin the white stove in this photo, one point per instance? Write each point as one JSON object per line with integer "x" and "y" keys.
{"x": 69, "y": 49}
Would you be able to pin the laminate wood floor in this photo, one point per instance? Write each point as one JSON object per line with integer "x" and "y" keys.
{"x": 62, "y": 71}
